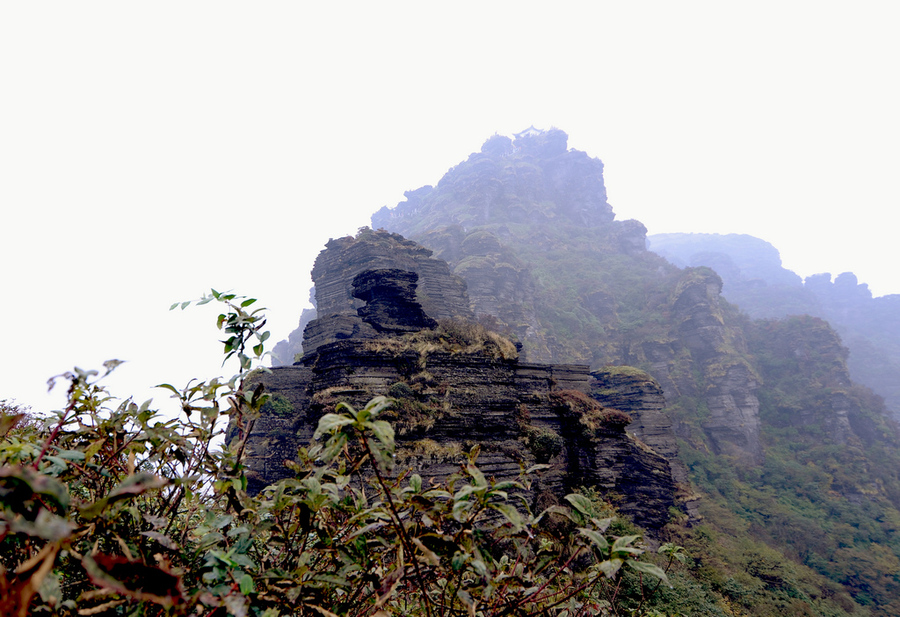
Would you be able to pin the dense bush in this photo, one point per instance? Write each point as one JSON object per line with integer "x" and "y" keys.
{"x": 109, "y": 508}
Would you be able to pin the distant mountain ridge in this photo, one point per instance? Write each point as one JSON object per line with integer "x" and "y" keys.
{"x": 754, "y": 279}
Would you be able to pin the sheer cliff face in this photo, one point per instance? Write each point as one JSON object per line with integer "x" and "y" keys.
{"x": 718, "y": 353}
{"x": 527, "y": 225}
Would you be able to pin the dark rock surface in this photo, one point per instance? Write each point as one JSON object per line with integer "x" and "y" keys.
{"x": 449, "y": 402}
{"x": 391, "y": 304}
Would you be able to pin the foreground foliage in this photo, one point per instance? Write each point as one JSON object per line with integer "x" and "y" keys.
{"x": 109, "y": 508}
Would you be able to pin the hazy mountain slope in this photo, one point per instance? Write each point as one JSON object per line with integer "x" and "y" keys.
{"x": 755, "y": 280}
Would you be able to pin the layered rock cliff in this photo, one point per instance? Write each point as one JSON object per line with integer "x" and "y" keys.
{"x": 455, "y": 385}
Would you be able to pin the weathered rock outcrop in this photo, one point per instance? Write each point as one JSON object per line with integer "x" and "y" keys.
{"x": 441, "y": 294}
{"x": 700, "y": 361}
{"x": 807, "y": 350}
{"x": 455, "y": 385}
{"x": 636, "y": 393}
{"x": 530, "y": 191}
{"x": 498, "y": 283}
{"x": 448, "y": 402}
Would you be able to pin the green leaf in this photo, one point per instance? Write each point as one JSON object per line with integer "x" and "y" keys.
{"x": 415, "y": 483}
{"x": 458, "y": 560}
{"x": 163, "y": 540}
{"x": 467, "y": 490}
{"x": 20, "y": 485}
{"x": 333, "y": 447}
{"x": 209, "y": 539}
{"x": 428, "y": 556}
{"x": 331, "y": 422}
{"x": 460, "y": 508}
{"x": 649, "y": 568}
{"x": 506, "y": 485}
{"x": 466, "y": 598}
{"x": 330, "y": 579}
{"x": 538, "y": 467}
{"x": 9, "y": 422}
{"x": 596, "y": 538}
{"x": 610, "y": 567}
{"x": 383, "y": 431}
{"x": 601, "y": 524}
{"x": 46, "y": 526}
{"x": 247, "y": 302}
{"x": 93, "y": 449}
{"x": 136, "y": 484}
{"x": 246, "y": 584}
{"x": 622, "y": 546}
{"x": 373, "y": 408}
{"x": 510, "y": 513}
{"x": 169, "y": 387}
{"x": 673, "y": 551}
{"x": 476, "y": 475}
{"x": 384, "y": 456}
{"x": 581, "y": 503}
{"x": 71, "y": 455}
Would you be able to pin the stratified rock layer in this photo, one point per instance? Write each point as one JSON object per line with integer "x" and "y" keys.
{"x": 441, "y": 294}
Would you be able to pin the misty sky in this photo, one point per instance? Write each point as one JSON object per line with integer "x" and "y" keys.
{"x": 151, "y": 151}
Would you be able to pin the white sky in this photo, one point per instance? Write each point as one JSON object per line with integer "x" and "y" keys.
{"x": 149, "y": 151}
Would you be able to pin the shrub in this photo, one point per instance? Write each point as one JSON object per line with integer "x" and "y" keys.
{"x": 117, "y": 510}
